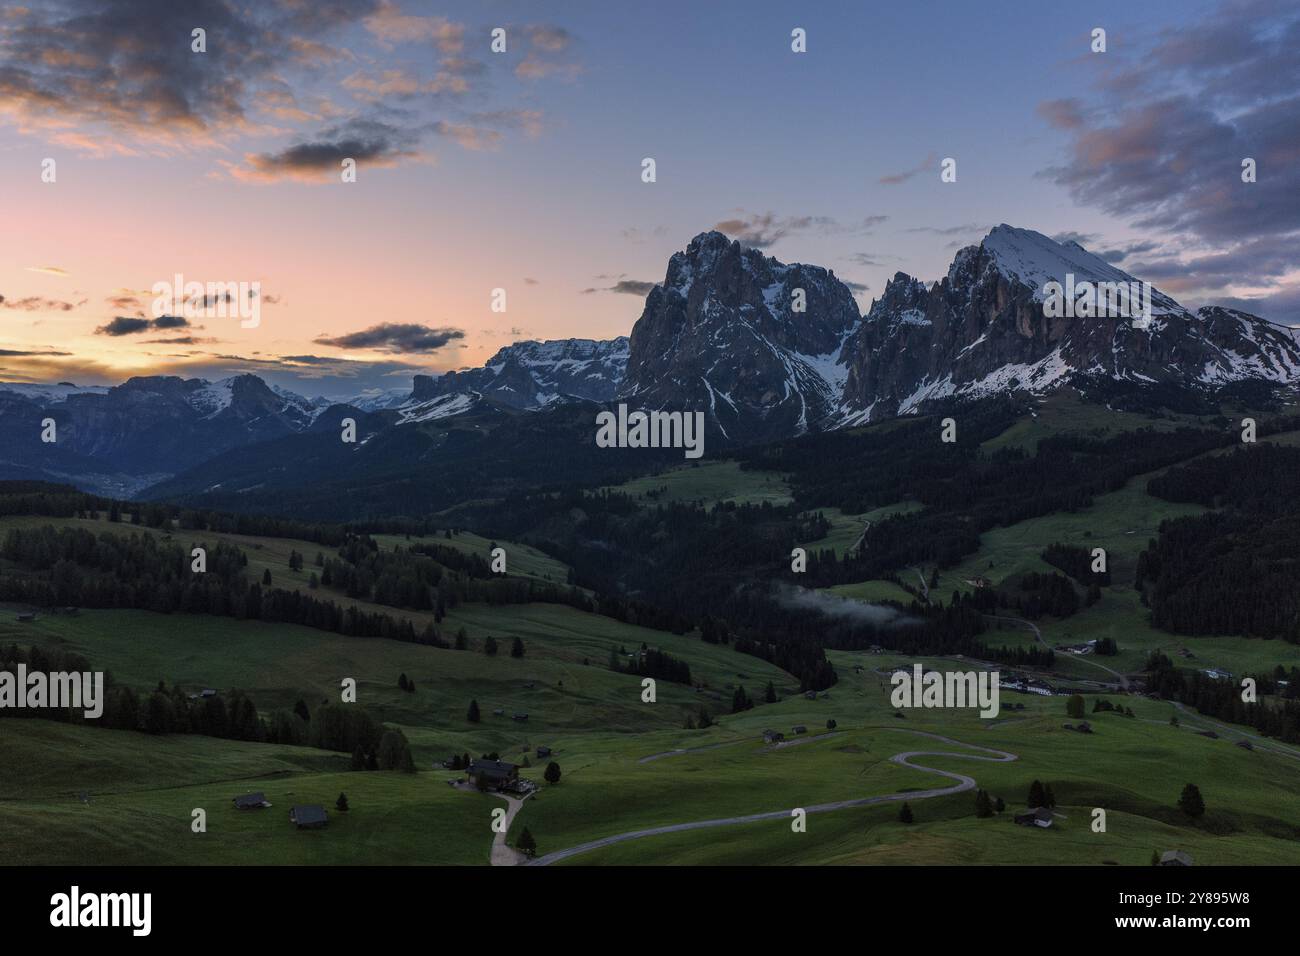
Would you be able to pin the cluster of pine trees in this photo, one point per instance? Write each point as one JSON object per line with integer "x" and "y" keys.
{"x": 1221, "y": 699}
{"x": 73, "y": 567}
{"x": 1077, "y": 563}
{"x": 652, "y": 662}
{"x": 229, "y": 715}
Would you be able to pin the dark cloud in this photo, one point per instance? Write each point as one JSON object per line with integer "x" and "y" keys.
{"x": 624, "y": 286}
{"x": 1120, "y": 254}
{"x": 35, "y": 303}
{"x": 865, "y": 259}
{"x": 17, "y": 353}
{"x": 394, "y": 337}
{"x": 856, "y": 286}
{"x": 1162, "y": 144}
{"x": 369, "y": 142}
{"x": 129, "y": 65}
{"x": 963, "y": 230}
{"x": 132, "y": 325}
{"x": 761, "y": 230}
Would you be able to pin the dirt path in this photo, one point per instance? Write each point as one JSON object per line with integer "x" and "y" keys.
{"x": 782, "y": 744}
{"x": 503, "y": 855}
{"x": 693, "y": 750}
{"x": 963, "y": 783}
{"x": 858, "y": 544}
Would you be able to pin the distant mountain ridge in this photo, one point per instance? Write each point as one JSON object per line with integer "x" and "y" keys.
{"x": 723, "y": 333}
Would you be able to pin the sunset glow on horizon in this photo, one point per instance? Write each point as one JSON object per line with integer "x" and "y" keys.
{"x": 521, "y": 170}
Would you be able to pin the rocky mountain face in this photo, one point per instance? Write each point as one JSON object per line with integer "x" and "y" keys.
{"x": 752, "y": 342}
{"x": 724, "y": 334}
{"x": 148, "y": 427}
{"x": 530, "y": 375}
{"x": 984, "y": 328}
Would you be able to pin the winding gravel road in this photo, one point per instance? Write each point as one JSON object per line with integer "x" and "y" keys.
{"x": 905, "y": 759}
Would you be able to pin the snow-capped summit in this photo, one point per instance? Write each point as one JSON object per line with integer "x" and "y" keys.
{"x": 526, "y": 375}
{"x": 985, "y": 327}
{"x": 1035, "y": 260}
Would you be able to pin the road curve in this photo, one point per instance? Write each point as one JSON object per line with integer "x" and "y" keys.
{"x": 963, "y": 783}
{"x": 1123, "y": 681}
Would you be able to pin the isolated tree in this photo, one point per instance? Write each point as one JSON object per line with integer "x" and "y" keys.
{"x": 905, "y": 814}
{"x": 266, "y": 578}
{"x": 552, "y": 773}
{"x": 705, "y": 720}
{"x": 462, "y": 641}
{"x": 301, "y": 710}
{"x": 490, "y": 646}
{"x": 740, "y": 700}
{"x": 769, "y": 695}
{"x": 1037, "y": 797}
{"x": 983, "y": 805}
{"x": 342, "y": 802}
{"x": 1049, "y": 797}
{"x": 395, "y": 752}
{"x": 526, "y": 844}
{"x": 999, "y": 804}
{"x": 517, "y": 648}
{"x": 1155, "y": 858}
{"x": 830, "y": 724}
{"x": 1074, "y": 707}
{"x": 1191, "y": 802}
{"x": 473, "y": 715}
{"x": 401, "y": 680}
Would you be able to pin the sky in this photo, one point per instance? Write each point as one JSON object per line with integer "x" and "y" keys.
{"x": 521, "y": 170}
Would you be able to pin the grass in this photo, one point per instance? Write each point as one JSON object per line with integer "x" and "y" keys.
{"x": 140, "y": 793}
{"x": 278, "y": 664}
{"x": 142, "y": 789}
{"x": 1254, "y": 814}
{"x": 267, "y": 553}
{"x": 522, "y": 560}
{"x": 709, "y": 483}
{"x": 846, "y": 528}
{"x": 873, "y": 592}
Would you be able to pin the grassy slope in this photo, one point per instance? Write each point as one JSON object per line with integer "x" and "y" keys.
{"x": 1134, "y": 767}
{"x": 278, "y": 663}
{"x": 1254, "y": 808}
{"x": 266, "y": 553}
{"x": 709, "y": 482}
{"x": 140, "y": 793}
